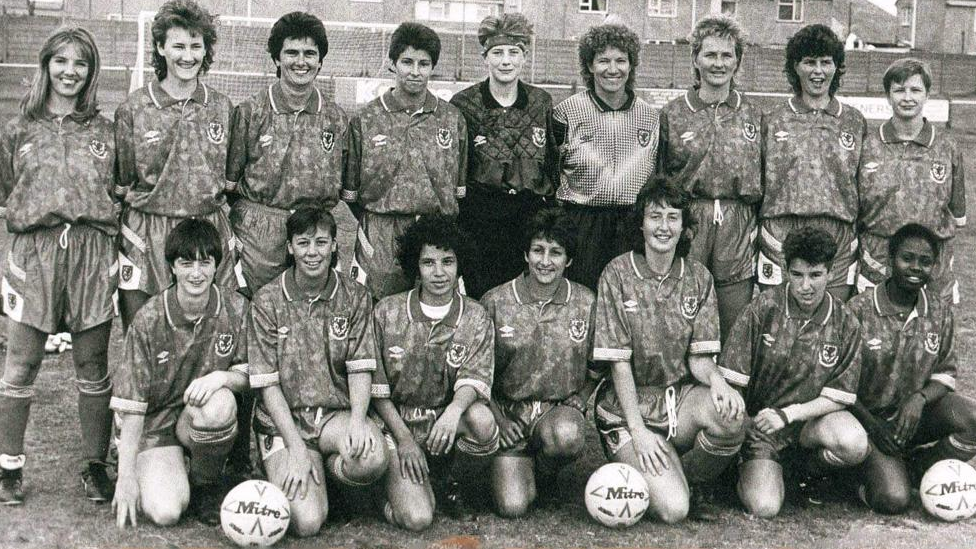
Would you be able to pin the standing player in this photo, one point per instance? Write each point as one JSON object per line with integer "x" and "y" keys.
{"x": 608, "y": 141}
{"x": 710, "y": 142}
{"x": 813, "y": 146}
{"x": 910, "y": 173}
{"x": 510, "y": 151}
{"x": 407, "y": 156}
{"x": 437, "y": 351}
{"x": 313, "y": 358}
{"x": 56, "y": 182}
{"x": 906, "y": 395}
{"x": 171, "y": 137}
{"x": 185, "y": 356}
{"x": 668, "y": 411}
{"x": 795, "y": 352}
{"x": 543, "y": 337}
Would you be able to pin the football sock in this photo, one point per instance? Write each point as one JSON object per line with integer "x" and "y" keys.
{"x": 822, "y": 461}
{"x": 954, "y": 446}
{"x": 709, "y": 456}
{"x": 240, "y": 454}
{"x": 473, "y": 458}
{"x": 208, "y": 451}
{"x": 94, "y": 417}
{"x": 15, "y": 402}
{"x": 350, "y": 475}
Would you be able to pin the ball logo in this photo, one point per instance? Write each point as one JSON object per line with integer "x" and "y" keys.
{"x": 616, "y": 495}
{"x": 538, "y": 136}
{"x": 829, "y": 355}
{"x": 577, "y": 330}
{"x": 255, "y": 513}
{"x": 444, "y": 138}
{"x": 932, "y": 343}
{"x": 457, "y": 354}
{"x": 938, "y": 172}
{"x": 948, "y": 490}
{"x": 98, "y": 149}
{"x": 643, "y": 137}
{"x": 215, "y": 133}
{"x": 339, "y": 327}
{"x": 224, "y": 345}
{"x": 689, "y": 307}
{"x": 750, "y": 132}
{"x": 328, "y": 140}
{"x": 847, "y": 140}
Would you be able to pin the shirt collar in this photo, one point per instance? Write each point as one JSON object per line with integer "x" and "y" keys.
{"x": 924, "y": 138}
{"x": 884, "y": 307}
{"x": 277, "y": 97}
{"x": 162, "y": 99}
{"x": 643, "y": 271}
{"x": 292, "y": 292}
{"x": 820, "y": 316}
{"x": 391, "y": 104}
{"x": 489, "y": 101}
{"x": 600, "y": 104}
{"x": 520, "y": 290}
{"x": 176, "y": 316}
{"x": 416, "y": 314}
{"x": 695, "y": 103}
{"x": 834, "y": 108}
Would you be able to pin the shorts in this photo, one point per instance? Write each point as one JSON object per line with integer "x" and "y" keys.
{"x": 142, "y": 260}
{"x": 526, "y": 414}
{"x": 653, "y": 405}
{"x": 61, "y": 278}
{"x": 158, "y": 429}
{"x": 311, "y": 421}
{"x": 777, "y": 446}
{"x": 773, "y": 232}
{"x": 725, "y": 239}
{"x": 603, "y": 233}
{"x": 374, "y": 263}
{"x": 261, "y": 242}
{"x": 875, "y": 267}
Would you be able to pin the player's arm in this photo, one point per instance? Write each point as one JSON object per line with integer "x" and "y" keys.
{"x": 237, "y": 148}
{"x": 353, "y": 176}
{"x": 300, "y": 469}
{"x": 704, "y": 347}
{"x": 7, "y": 147}
{"x": 126, "y": 170}
{"x": 661, "y": 162}
{"x": 461, "y": 189}
{"x": 361, "y": 370}
{"x": 650, "y": 447}
{"x": 957, "y": 200}
{"x": 126, "y": 500}
{"x": 199, "y": 391}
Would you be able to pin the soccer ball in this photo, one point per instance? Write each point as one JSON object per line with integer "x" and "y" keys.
{"x": 617, "y": 495}
{"x": 255, "y": 512}
{"x": 948, "y": 490}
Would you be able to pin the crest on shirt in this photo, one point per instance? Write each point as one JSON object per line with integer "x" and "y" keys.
{"x": 538, "y": 136}
{"x": 339, "y": 327}
{"x": 215, "y": 133}
{"x": 11, "y": 301}
{"x": 507, "y": 331}
{"x": 577, "y": 330}
{"x": 224, "y": 344}
{"x": 98, "y": 149}
{"x": 328, "y": 140}
{"x": 457, "y": 354}
{"x": 749, "y": 131}
{"x": 689, "y": 306}
{"x": 643, "y": 137}
{"x": 846, "y": 140}
{"x": 938, "y": 172}
{"x": 767, "y": 270}
{"x": 444, "y": 138}
{"x": 126, "y": 273}
{"x": 932, "y": 343}
{"x": 828, "y": 355}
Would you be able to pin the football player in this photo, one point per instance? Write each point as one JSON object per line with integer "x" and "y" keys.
{"x": 543, "y": 338}
{"x": 437, "y": 352}
{"x": 795, "y": 353}
{"x": 185, "y": 357}
{"x": 668, "y": 411}
{"x": 56, "y": 183}
{"x": 312, "y": 356}
{"x": 407, "y": 157}
{"x": 906, "y": 397}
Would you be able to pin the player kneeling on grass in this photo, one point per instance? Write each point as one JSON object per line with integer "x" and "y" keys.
{"x": 543, "y": 336}
{"x": 668, "y": 411}
{"x": 904, "y": 399}
{"x": 795, "y": 351}
{"x": 185, "y": 357}
{"x": 437, "y": 352}
{"x": 311, "y": 336}
{"x": 56, "y": 178}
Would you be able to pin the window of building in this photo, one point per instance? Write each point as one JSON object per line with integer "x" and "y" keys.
{"x": 661, "y": 8}
{"x": 593, "y": 6}
{"x": 513, "y": 6}
{"x": 789, "y": 10}
{"x": 728, "y": 7}
{"x": 470, "y": 11}
{"x": 905, "y": 16}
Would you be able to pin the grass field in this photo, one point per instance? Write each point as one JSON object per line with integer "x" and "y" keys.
{"x": 57, "y": 515}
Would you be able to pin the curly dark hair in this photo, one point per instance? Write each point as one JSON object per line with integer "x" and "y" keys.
{"x": 810, "y": 244}
{"x": 664, "y": 191}
{"x": 814, "y": 41}
{"x": 184, "y": 14}
{"x": 193, "y": 239}
{"x": 307, "y": 218}
{"x": 417, "y": 36}
{"x": 298, "y": 25}
{"x": 903, "y": 69}
{"x": 913, "y": 230}
{"x": 440, "y": 231}
{"x": 554, "y": 225}
{"x": 597, "y": 39}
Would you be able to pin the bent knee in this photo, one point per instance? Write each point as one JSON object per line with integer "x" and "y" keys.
{"x": 673, "y": 512}
{"x": 480, "y": 422}
{"x": 163, "y": 513}
{"x": 220, "y": 410}
{"x": 852, "y": 445}
{"x": 417, "y": 518}
{"x": 889, "y": 500}
{"x": 760, "y": 505}
{"x": 566, "y": 439}
{"x": 307, "y": 524}
{"x": 513, "y": 506}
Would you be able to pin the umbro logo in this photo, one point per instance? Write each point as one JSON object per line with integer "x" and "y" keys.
{"x": 874, "y": 344}
{"x": 687, "y": 136}
{"x": 781, "y": 135}
{"x": 480, "y": 140}
{"x": 163, "y": 357}
{"x": 871, "y": 167}
{"x": 768, "y": 340}
{"x": 380, "y": 140}
{"x": 152, "y": 137}
{"x": 507, "y": 331}
{"x": 396, "y": 352}
{"x": 630, "y": 306}
{"x": 266, "y": 140}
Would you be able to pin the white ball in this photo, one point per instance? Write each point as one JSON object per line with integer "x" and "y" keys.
{"x": 948, "y": 490}
{"x": 617, "y": 495}
{"x": 255, "y": 512}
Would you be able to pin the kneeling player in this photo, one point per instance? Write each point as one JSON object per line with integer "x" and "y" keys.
{"x": 311, "y": 336}
{"x": 668, "y": 412}
{"x": 543, "y": 336}
{"x": 437, "y": 352}
{"x": 795, "y": 352}
{"x": 909, "y": 370}
{"x": 185, "y": 356}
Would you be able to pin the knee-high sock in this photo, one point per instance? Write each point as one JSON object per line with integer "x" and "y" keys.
{"x": 240, "y": 454}
{"x": 336, "y": 466}
{"x": 821, "y": 461}
{"x": 709, "y": 457}
{"x": 954, "y": 446}
{"x": 94, "y": 417}
{"x": 15, "y": 402}
{"x": 473, "y": 458}
{"x": 208, "y": 451}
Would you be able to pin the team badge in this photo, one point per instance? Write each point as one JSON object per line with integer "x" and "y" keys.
{"x": 339, "y": 327}
{"x": 224, "y": 344}
{"x": 126, "y": 273}
{"x": 444, "y": 138}
{"x": 215, "y": 133}
{"x": 538, "y": 136}
{"x": 767, "y": 270}
{"x": 932, "y": 343}
{"x": 457, "y": 354}
{"x": 689, "y": 307}
{"x": 98, "y": 149}
{"x": 938, "y": 172}
{"x": 328, "y": 140}
{"x": 749, "y": 132}
{"x": 396, "y": 352}
{"x": 828, "y": 355}
{"x": 507, "y": 331}
{"x": 11, "y": 301}
{"x": 577, "y": 330}
{"x": 846, "y": 140}
{"x": 643, "y": 138}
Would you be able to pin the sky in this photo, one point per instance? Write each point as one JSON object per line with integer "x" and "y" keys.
{"x": 888, "y": 5}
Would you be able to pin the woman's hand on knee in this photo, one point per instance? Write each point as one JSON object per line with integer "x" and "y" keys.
{"x": 126, "y": 501}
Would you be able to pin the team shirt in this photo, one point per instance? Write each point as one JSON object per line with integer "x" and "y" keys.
{"x": 902, "y": 352}
{"x": 286, "y": 159}
{"x": 782, "y": 358}
{"x": 427, "y": 360}
{"x": 916, "y": 181}
{"x": 541, "y": 349}
{"x": 811, "y": 160}
{"x": 172, "y": 154}
{"x": 606, "y": 154}
{"x": 57, "y": 171}
{"x": 165, "y": 351}
{"x": 405, "y": 161}
{"x": 655, "y": 322}
{"x": 714, "y": 149}
{"x": 310, "y": 346}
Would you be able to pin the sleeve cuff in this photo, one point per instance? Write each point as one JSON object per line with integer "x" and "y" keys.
{"x": 733, "y": 377}
{"x": 128, "y": 406}
{"x": 121, "y": 190}
{"x": 230, "y": 186}
{"x": 961, "y": 221}
{"x": 945, "y": 379}
{"x": 480, "y": 386}
{"x": 260, "y": 381}
{"x": 705, "y": 347}
{"x": 840, "y": 397}
{"x": 460, "y": 192}
{"x": 362, "y": 365}
{"x": 240, "y": 368}
{"x": 379, "y": 390}
{"x": 613, "y": 355}
{"x": 348, "y": 196}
